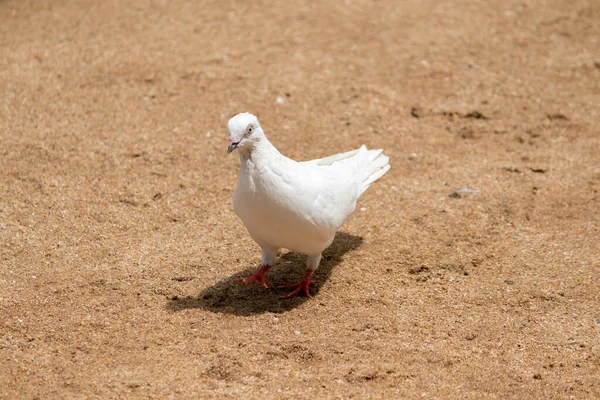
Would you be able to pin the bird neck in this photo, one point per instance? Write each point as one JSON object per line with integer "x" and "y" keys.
{"x": 259, "y": 150}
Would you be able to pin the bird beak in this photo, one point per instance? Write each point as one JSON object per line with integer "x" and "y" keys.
{"x": 232, "y": 147}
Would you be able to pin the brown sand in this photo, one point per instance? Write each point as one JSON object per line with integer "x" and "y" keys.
{"x": 119, "y": 244}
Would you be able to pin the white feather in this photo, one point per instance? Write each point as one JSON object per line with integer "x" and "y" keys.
{"x": 297, "y": 205}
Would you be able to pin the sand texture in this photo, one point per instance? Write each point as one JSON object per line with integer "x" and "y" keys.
{"x": 470, "y": 270}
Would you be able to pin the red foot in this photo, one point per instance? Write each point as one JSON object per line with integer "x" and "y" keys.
{"x": 300, "y": 287}
{"x": 259, "y": 276}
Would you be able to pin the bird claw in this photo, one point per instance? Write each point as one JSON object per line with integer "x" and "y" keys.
{"x": 297, "y": 288}
{"x": 258, "y": 276}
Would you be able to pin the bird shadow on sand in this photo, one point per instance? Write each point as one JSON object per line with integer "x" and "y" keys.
{"x": 230, "y": 297}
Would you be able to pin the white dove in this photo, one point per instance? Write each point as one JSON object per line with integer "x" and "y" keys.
{"x": 295, "y": 205}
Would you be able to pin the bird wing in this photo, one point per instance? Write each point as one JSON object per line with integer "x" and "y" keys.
{"x": 367, "y": 165}
{"x": 325, "y": 190}
{"x": 325, "y": 161}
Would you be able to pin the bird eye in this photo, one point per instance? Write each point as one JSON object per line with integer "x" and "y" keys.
{"x": 249, "y": 129}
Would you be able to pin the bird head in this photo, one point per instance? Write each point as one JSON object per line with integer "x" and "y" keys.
{"x": 243, "y": 131}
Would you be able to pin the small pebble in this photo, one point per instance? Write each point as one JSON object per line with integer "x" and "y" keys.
{"x": 466, "y": 190}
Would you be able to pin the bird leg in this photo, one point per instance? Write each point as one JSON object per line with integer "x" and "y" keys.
{"x": 300, "y": 287}
{"x": 259, "y": 276}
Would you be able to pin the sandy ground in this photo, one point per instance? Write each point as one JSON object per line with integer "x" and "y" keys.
{"x": 119, "y": 245}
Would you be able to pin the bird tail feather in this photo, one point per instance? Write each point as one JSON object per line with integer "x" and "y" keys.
{"x": 375, "y": 165}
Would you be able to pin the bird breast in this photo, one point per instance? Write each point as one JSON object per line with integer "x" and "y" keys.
{"x": 276, "y": 214}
